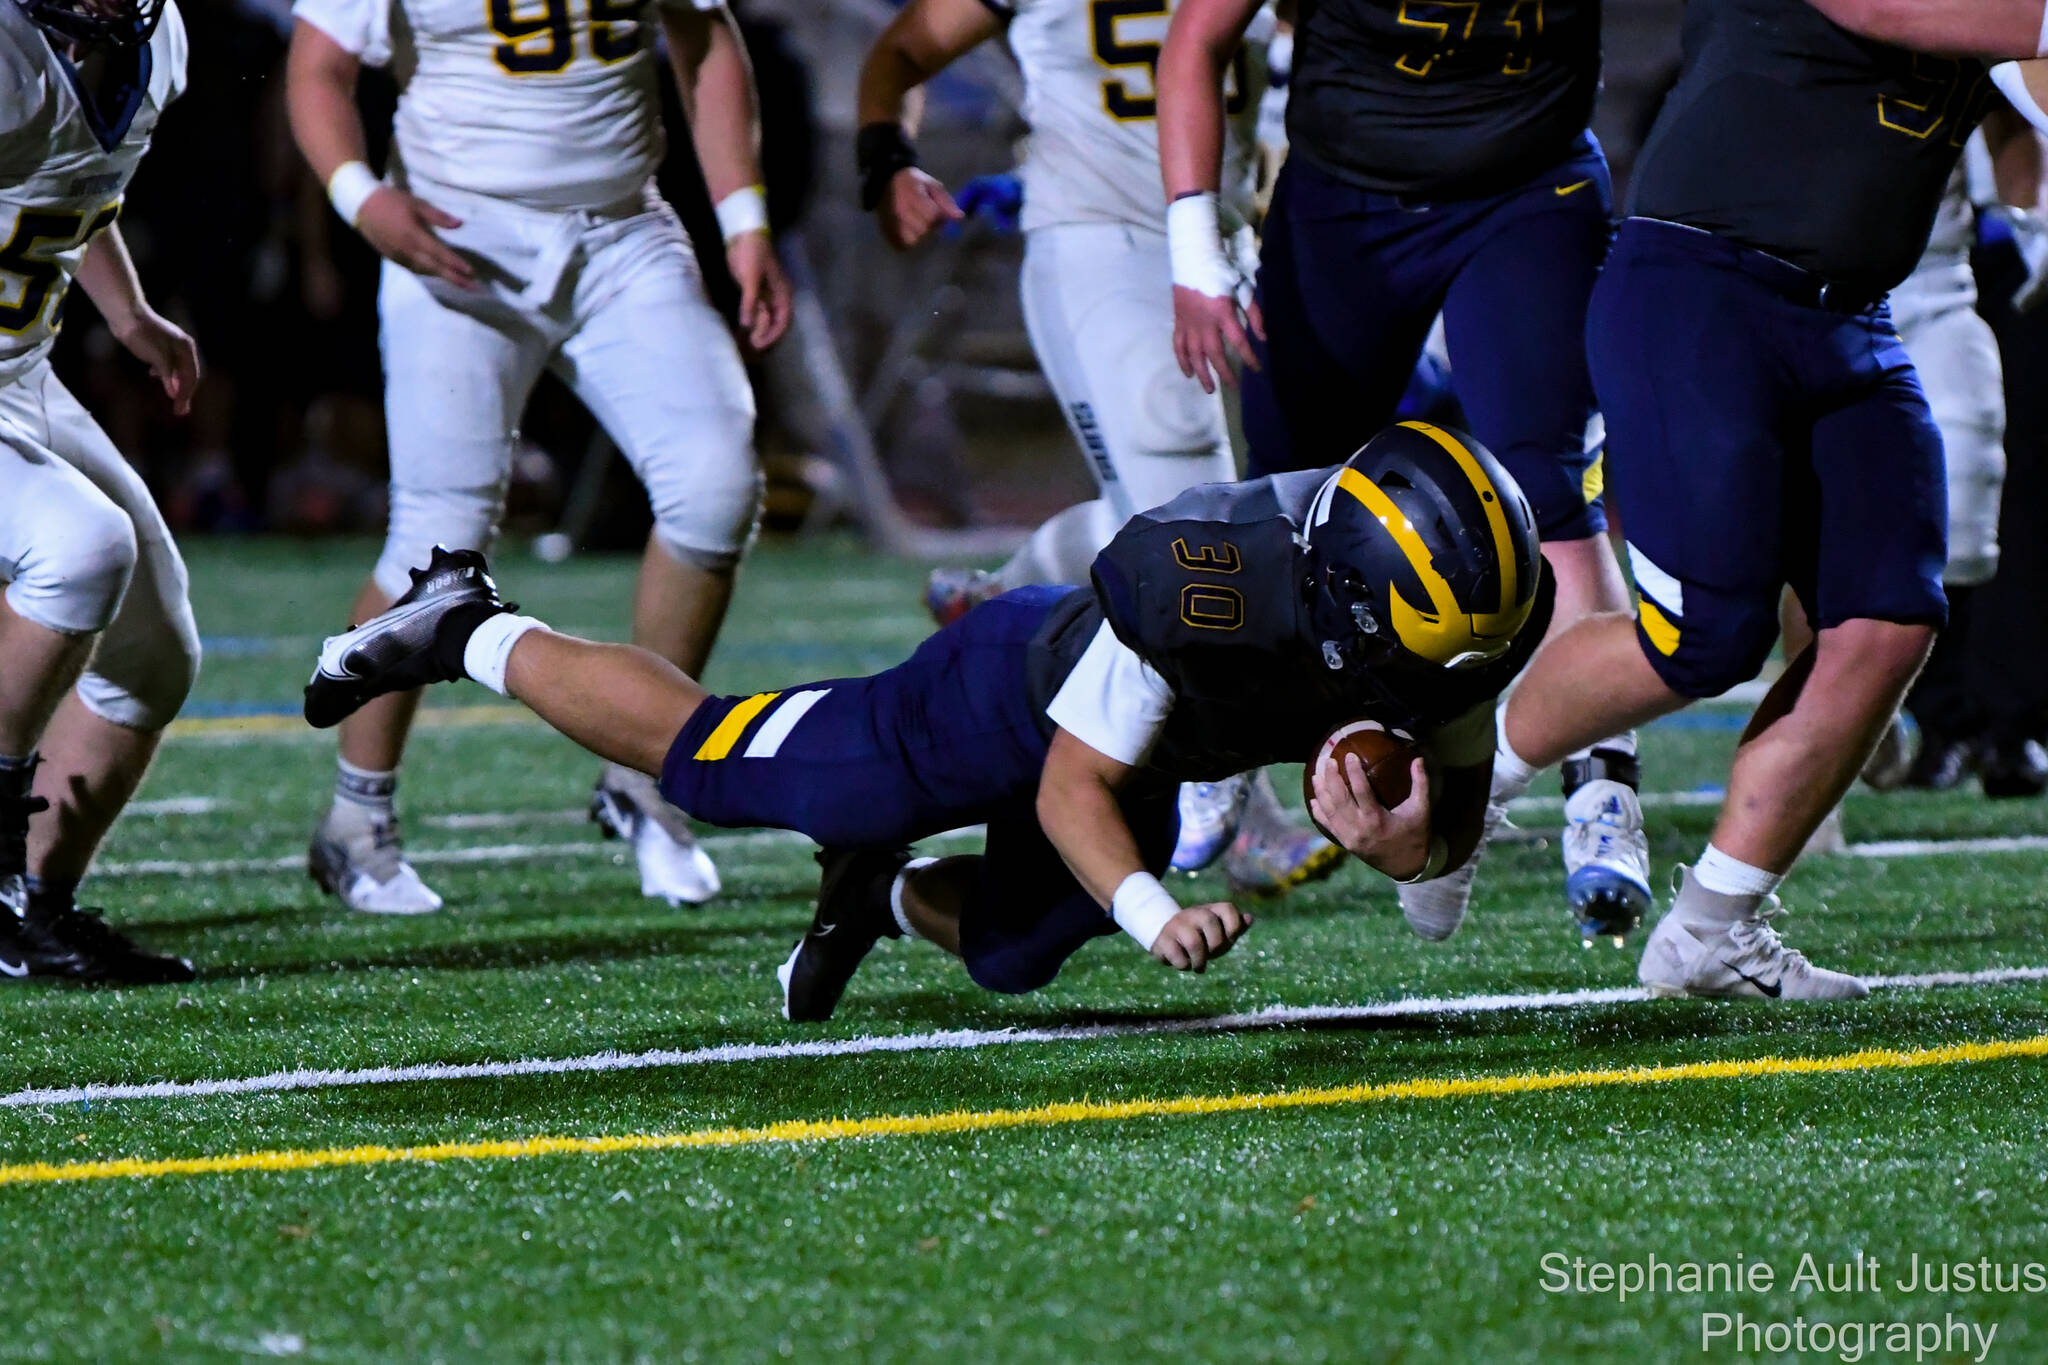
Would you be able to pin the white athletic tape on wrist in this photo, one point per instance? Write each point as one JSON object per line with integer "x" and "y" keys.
{"x": 350, "y": 187}
{"x": 1141, "y": 907}
{"x": 2012, "y": 83}
{"x": 743, "y": 211}
{"x": 1194, "y": 246}
{"x": 490, "y": 649}
{"x": 896, "y": 896}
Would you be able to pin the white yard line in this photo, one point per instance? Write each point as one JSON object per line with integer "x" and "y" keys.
{"x": 951, "y": 1040}
{"x": 1927, "y": 848}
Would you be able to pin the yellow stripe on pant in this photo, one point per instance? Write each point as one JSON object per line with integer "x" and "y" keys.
{"x": 734, "y": 725}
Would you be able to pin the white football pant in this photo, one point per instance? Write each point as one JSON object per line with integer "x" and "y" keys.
{"x": 1098, "y": 303}
{"x": 612, "y": 302}
{"x": 1957, "y": 356}
{"x": 84, "y": 551}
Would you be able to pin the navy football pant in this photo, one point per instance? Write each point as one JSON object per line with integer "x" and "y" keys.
{"x": 949, "y": 737}
{"x": 1758, "y": 441}
{"x": 1350, "y": 283}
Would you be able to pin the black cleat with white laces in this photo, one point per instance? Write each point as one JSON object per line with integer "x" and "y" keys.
{"x": 853, "y": 913}
{"x": 18, "y": 947}
{"x": 405, "y": 647}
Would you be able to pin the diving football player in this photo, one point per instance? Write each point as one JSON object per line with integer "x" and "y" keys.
{"x": 1232, "y": 628}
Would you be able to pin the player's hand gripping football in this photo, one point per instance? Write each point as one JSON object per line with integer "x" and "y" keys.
{"x": 168, "y": 350}
{"x": 1199, "y": 935}
{"x": 1396, "y": 841}
{"x": 914, "y": 205}
{"x": 401, "y": 227}
{"x": 764, "y": 289}
{"x": 1209, "y": 331}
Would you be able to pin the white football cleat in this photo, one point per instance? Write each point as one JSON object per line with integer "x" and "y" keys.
{"x": 1209, "y": 814}
{"x": 357, "y": 856}
{"x": 673, "y": 866}
{"x": 1744, "y": 961}
{"x": 1606, "y": 860}
{"x": 1435, "y": 909}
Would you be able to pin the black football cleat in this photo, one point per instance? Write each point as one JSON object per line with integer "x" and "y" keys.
{"x": 853, "y": 913}
{"x": 395, "y": 651}
{"x": 78, "y": 945}
{"x": 17, "y": 946}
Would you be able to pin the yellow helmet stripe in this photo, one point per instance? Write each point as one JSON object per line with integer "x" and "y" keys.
{"x": 1445, "y": 631}
{"x": 1490, "y": 499}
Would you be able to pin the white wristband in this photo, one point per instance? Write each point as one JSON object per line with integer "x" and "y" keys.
{"x": 1141, "y": 907}
{"x": 2012, "y": 83}
{"x": 1194, "y": 245}
{"x": 743, "y": 211}
{"x": 350, "y": 187}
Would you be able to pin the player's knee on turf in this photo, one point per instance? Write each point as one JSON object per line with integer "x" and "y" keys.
{"x": 75, "y": 576}
{"x": 421, "y": 518}
{"x": 1013, "y": 969}
{"x": 1708, "y": 641}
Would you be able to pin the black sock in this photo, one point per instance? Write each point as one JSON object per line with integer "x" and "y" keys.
{"x": 52, "y": 897}
{"x": 451, "y": 636}
{"x": 17, "y": 775}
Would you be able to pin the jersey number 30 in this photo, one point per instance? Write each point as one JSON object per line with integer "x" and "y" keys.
{"x": 543, "y": 41}
{"x": 1118, "y": 100}
{"x": 38, "y": 276}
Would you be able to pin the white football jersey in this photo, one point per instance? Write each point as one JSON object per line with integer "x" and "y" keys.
{"x": 547, "y": 103}
{"x": 64, "y": 166}
{"x": 1090, "y": 95}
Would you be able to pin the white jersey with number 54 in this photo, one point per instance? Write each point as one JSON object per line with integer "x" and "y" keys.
{"x": 1091, "y": 98}
{"x": 547, "y": 103}
{"x": 64, "y": 165}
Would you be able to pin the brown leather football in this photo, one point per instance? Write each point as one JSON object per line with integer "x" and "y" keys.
{"x": 1386, "y": 756}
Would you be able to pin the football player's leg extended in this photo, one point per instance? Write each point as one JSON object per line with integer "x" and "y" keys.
{"x": 656, "y": 365}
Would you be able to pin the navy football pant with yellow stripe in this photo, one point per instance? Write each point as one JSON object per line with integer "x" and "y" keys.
{"x": 1351, "y": 281}
{"x": 947, "y": 738}
{"x": 1758, "y": 441}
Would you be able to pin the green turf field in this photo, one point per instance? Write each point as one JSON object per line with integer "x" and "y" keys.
{"x": 1282, "y": 1214}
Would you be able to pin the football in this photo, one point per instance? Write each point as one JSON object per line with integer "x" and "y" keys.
{"x": 1387, "y": 758}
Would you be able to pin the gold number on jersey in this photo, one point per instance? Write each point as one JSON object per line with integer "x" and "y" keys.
{"x": 544, "y": 42}
{"x": 40, "y": 278}
{"x": 1936, "y": 96}
{"x": 1110, "y": 51}
{"x": 1451, "y": 22}
{"x": 1222, "y": 557}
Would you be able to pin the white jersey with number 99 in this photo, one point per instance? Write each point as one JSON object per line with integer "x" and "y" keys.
{"x": 1091, "y": 98}
{"x": 547, "y": 103}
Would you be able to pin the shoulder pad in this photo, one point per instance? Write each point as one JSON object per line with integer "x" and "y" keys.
{"x": 1171, "y": 589}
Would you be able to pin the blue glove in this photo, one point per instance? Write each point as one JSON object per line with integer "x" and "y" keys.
{"x": 998, "y": 199}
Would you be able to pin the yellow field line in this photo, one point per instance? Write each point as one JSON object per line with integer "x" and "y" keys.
{"x": 967, "y": 1121}
{"x": 438, "y": 717}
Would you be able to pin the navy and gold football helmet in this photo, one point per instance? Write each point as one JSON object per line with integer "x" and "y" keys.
{"x": 1422, "y": 555}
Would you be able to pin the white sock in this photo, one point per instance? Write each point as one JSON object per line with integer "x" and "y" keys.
{"x": 1511, "y": 775}
{"x": 490, "y": 648}
{"x": 1063, "y": 548}
{"x": 1722, "y": 890}
{"x": 366, "y": 788}
{"x": 896, "y": 896}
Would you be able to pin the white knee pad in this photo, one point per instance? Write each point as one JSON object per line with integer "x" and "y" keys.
{"x": 421, "y": 518}
{"x": 148, "y": 657}
{"x": 78, "y": 562}
{"x": 705, "y": 487}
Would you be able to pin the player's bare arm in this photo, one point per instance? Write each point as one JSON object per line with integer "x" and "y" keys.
{"x": 1394, "y": 841}
{"x": 1209, "y": 326}
{"x": 925, "y": 37}
{"x": 320, "y": 87}
{"x": 107, "y": 274}
{"x": 2011, "y": 29}
{"x": 716, "y": 83}
{"x": 1079, "y": 812}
